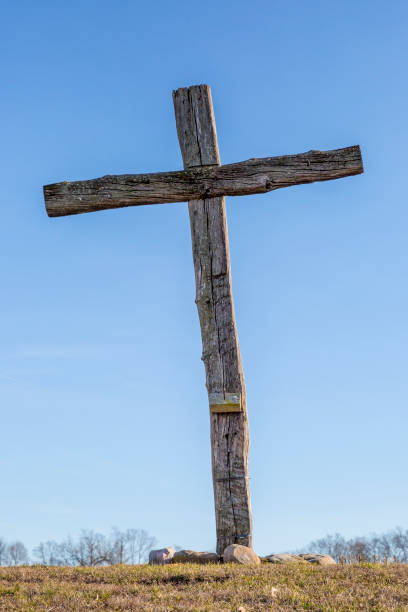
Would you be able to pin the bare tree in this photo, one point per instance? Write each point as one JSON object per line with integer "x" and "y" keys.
{"x": 4, "y": 552}
{"x": 384, "y": 548}
{"x": 17, "y": 553}
{"x": 119, "y": 547}
{"x": 390, "y": 546}
{"x": 130, "y": 546}
{"x": 139, "y": 545}
{"x": 4, "y": 556}
{"x": 333, "y": 545}
{"x": 91, "y": 549}
{"x": 51, "y": 553}
{"x": 399, "y": 539}
{"x": 359, "y": 550}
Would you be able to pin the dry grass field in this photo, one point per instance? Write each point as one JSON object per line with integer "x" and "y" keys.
{"x": 373, "y": 588}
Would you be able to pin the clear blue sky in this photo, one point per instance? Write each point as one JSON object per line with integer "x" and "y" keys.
{"x": 104, "y": 415}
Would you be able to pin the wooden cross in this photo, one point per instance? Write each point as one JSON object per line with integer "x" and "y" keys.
{"x": 204, "y": 183}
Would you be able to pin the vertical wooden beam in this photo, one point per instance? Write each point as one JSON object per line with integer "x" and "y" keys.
{"x": 221, "y": 354}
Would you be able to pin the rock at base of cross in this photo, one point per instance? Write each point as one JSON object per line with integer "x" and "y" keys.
{"x": 284, "y": 558}
{"x": 316, "y": 559}
{"x": 236, "y": 553}
{"x": 191, "y": 556}
{"x": 161, "y": 556}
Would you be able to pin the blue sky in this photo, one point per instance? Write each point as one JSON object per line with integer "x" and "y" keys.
{"x": 104, "y": 415}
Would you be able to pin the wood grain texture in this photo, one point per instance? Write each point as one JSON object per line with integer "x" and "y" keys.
{"x": 196, "y": 126}
{"x": 198, "y": 183}
{"x": 221, "y": 354}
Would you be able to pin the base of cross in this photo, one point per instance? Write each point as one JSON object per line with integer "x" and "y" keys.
{"x": 234, "y": 554}
{"x": 204, "y": 184}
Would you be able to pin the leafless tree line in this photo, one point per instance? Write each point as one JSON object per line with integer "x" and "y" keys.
{"x": 13, "y": 553}
{"x": 131, "y": 546}
{"x": 388, "y": 547}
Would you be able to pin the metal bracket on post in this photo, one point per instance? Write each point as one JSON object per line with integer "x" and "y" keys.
{"x": 225, "y": 402}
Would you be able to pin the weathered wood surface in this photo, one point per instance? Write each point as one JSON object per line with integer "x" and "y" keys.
{"x": 221, "y": 354}
{"x": 196, "y": 126}
{"x": 200, "y": 182}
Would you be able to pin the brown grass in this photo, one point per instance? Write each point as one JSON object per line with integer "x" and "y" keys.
{"x": 373, "y": 588}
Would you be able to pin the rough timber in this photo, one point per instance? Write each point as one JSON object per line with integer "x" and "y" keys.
{"x": 204, "y": 183}
{"x": 195, "y": 183}
{"x": 221, "y": 354}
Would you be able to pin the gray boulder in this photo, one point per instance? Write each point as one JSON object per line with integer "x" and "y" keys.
{"x": 318, "y": 559}
{"x": 285, "y": 558}
{"x": 236, "y": 553}
{"x": 191, "y": 556}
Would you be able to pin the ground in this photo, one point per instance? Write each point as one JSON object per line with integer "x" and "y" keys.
{"x": 369, "y": 587}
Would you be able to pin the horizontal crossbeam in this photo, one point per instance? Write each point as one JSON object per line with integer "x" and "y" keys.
{"x": 243, "y": 178}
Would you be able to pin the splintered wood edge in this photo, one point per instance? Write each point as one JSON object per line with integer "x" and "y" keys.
{"x": 225, "y": 402}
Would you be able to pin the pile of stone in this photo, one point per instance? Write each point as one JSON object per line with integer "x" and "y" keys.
{"x": 235, "y": 553}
